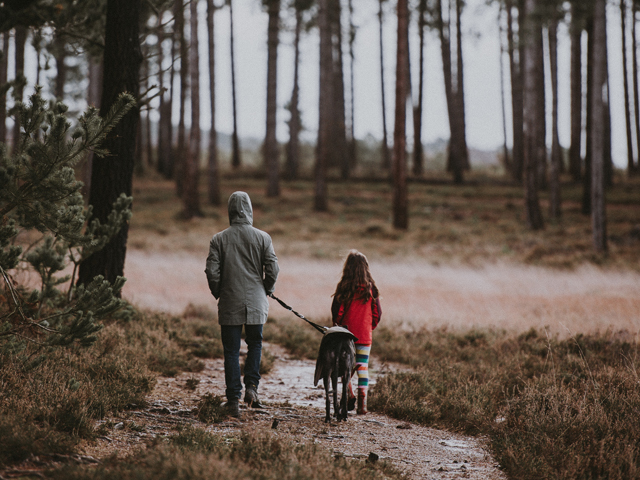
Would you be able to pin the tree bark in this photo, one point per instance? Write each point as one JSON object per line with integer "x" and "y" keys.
{"x": 213, "y": 177}
{"x": 20, "y": 41}
{"x": 598, "y": 214}
{"x": 586, "y": 179}
{"x": 112, "y": 175}
{"x": 636, "y": 92}
{"x": 271, "y": 150}
{"x": 181, "y": 150}
{"x": 455, "y": 161}
{"x": 418, "y": 154}
{"x": 625, "y": 74}
{"x": 324, "y": 107}
{"x": 60, "y": 54}
{"x": 236, "y": 160}
{"x": 400, "y": 205}
{"x": 338, "y": 144}
{"x": 460, "y": 88}
{"x": 353, "y": 150}
{"x": 165, "y": 127}
{"x": 386, "y": 158}
{"x": 556, "y": 154}
{"x": 532, "y": 152}
{"x": 293, "y": 147}
{"x": 517, "y": 89}
{"x": 3, "y": 79}
{"x": 505, "y": 149}
{"x": 191, "y": 197}
{"x": 575, "y": 157}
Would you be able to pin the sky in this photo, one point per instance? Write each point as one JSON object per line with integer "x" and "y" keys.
{"x": 481, "y": 54}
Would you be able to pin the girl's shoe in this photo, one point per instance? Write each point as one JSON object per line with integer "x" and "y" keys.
{"x": 362, "y": 401}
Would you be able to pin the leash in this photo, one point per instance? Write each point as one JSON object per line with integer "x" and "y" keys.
{"x": 320, "y": 328}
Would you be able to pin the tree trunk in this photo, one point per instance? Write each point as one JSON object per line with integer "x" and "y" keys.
{"x": 3, "y": 79}
{"x": 236, "y": 160}
{"x": 60, "y": 54}
{"x": 181, "y": 150}
{"x": 93, "y": 98}
{"x": 112, "y": 175}
{"x": 575, "y": 158}
{"x": 517, "y": 90}
{"x": 556, "y": 154}
{"x": 455, "y": 162}
{"x": 532, "y": 153}
{"x": 586, "y": 179}
{"x": 460, "y": 89}
{"x": 213, "y": 178}
{"x": 418, "y": 154}
{"x": 625, "y": 82}
{"x": 353, "y": 153}
{"x": 165, "y": 128}
{"x": 191, "y": 197}
{"x": 386, "y": 158}
{"x": 293, "y": 147}
{"x": 338, "y": 144}
{"x": 20, "y": 42}
{"x": 636, "y": 92}
{"x": 541, "y": 124}
{"x": 505, "y": 148}
{"x": 598, "y": 215}
{"x": 400, "y": 205}
{"x": 324, "y": 108}
{"x": 271, "y": 150}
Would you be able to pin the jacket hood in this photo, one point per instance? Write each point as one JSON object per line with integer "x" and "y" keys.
{"x": 240, "y": 209}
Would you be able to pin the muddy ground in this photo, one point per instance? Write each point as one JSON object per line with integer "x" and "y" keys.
{"x": 295, "y": 410}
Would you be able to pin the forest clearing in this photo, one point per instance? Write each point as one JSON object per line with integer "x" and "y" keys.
{"x": 499, "y": 213}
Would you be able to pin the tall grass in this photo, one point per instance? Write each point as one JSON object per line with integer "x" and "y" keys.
{"x": 551, "y": 408}
{"x": 49, "y": 398}
{"x": 195, "y": 454}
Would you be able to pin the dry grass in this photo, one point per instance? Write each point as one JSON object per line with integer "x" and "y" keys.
{"x": 471, "y": 224}
{"x": 195, "y": 454}
{"x": 551, "y": 408}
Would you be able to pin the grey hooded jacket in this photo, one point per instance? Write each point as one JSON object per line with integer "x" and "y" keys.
{"x": 242, "y": 267}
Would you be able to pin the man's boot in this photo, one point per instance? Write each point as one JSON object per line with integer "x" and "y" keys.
{"x": 251, "y": 397}
{"x": 362, "y": 401}
{"x": 351, "y": 402}
{"x": 232, "y": 408}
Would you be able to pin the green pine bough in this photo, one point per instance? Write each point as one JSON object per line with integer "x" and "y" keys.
{"x": 39, "y": 194}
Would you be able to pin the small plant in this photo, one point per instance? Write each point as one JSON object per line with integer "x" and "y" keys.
{"x": 192, "y": 383}
{"x": 210, "y": 409}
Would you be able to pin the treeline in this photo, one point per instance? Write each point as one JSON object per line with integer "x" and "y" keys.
{"x": 155, "y": 47}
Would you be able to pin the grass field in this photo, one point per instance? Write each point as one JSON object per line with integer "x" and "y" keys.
{"x": 471, "y": 224}
{"x": 550, "y": 407}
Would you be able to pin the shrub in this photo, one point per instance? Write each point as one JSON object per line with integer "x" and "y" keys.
{"x": 551, "y": 408}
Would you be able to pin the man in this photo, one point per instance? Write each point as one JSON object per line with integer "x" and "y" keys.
{"x": 242, "y": 269}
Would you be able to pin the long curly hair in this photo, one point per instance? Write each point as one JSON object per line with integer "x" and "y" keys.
{"x": 356, "y": 281}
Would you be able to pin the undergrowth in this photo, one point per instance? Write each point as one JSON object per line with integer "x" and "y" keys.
{"x": 195, "y": 454}
{"x": 49, "y": 398}
{"x": 552, "y": 408}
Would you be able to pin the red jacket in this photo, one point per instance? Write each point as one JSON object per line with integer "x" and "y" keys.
{"x": 359, "y": 317}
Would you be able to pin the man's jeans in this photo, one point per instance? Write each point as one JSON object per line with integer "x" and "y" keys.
{"x": 231, "y": 335}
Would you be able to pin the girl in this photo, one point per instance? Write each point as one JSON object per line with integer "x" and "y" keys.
{"x": 356, "y": 306}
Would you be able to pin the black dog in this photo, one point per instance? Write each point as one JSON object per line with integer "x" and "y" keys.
{"x": 336, "y": 359}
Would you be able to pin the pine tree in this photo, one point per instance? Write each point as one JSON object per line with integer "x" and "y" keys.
{"x": 39, "y": 193}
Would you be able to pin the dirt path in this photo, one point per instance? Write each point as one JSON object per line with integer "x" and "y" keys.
{"x": 416, "y": 293}
{"x": 290, "y": 398}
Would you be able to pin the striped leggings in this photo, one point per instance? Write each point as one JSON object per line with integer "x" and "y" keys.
{"x": 362, "y": 365}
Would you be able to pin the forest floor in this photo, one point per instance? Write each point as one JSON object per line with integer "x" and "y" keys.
{"x": 466, "y": 262}
{"x": 295, "y": 411}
